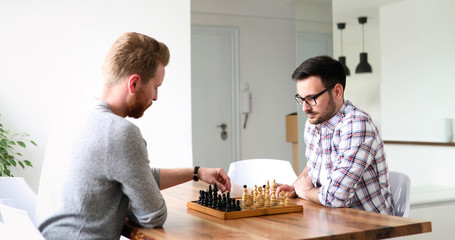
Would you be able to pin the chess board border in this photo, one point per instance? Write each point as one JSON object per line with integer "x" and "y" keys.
{"x": 244, "y": 212}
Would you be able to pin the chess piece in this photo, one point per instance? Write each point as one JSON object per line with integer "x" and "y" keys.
{"x": 273, "y": 199}
{"x": 250, "y": 198}
{"x": 281, "y": 198}
{"x": 215, "y": 189}
{"x": 267, "y": 201}
{"x": 259, "y": 201}
{"x": 245, "y": 195}
{"x": 287, "y": 201}
{"x": 274, "y": 187}
{"x": 228, "y": 205}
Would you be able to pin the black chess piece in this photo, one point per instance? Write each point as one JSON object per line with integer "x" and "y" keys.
{"x": 201, "y": 197}
{"x": 215, "y": 188}
{"x": 237, "y": 207}
{"x": 229, "y": 205}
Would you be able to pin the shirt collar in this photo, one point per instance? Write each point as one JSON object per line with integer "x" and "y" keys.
{"x": 332, "y": 122}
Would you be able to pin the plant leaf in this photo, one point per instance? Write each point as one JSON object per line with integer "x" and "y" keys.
{"x": 20, "y": 154}
{"x": 13, "y": 162}
{"x": 22, "y": 144}
{"x": 12, "y": 142}
{"x": 34, "y": 143}
{"x": 20, "y": 163}
{"x": 28, "y": 163}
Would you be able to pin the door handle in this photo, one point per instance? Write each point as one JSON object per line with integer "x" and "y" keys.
{"x": 223, "y": 127}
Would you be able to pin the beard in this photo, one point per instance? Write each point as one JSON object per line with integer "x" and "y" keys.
{"x": 327, "y": 113}
{"x": 138, "y": 105}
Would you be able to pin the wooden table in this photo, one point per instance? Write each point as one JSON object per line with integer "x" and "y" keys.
{"x": 315, "y": 222}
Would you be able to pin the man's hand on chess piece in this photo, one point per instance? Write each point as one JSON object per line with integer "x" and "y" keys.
{"x": 285, "y": 188}
{"x": 215, "y": 175}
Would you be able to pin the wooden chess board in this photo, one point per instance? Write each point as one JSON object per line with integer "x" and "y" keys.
{"x": 245, "y": 211}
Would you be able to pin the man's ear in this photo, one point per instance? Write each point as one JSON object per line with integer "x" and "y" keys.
{"x": 134, "y": 83}
{"x": 339, "y": 90}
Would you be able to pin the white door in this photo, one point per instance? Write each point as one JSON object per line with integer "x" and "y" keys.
{"x": 214, "y": 96}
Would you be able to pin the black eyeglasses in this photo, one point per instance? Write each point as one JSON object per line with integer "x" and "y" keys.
{"x": 310, "y": 100}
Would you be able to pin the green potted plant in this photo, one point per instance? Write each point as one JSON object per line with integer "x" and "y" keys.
{"x": 8, "y": 154}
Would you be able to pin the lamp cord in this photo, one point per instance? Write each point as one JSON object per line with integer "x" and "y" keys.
{"x": 363, "y": 38}
{"x": 341, "y": 37}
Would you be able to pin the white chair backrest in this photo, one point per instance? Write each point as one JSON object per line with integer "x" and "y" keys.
{"x": 257, "y": 171}
{"x": 17, "y": 225}
{"x": 400, "y": 185}
{"x": 15, "y": 192}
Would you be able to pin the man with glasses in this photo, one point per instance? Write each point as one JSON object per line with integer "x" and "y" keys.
{"x": 346, "y": 162}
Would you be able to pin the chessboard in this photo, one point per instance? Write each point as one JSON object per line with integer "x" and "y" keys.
{"x": 261, "y": 201}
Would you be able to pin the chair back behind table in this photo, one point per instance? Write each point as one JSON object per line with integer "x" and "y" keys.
{"x": 400, "y": 185}
{"x": 15, "y": 192}
{"x": 253, "y": 172}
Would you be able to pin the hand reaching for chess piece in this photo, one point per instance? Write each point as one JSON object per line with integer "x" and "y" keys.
{"x": 285, "y": 188}
{"x": 215, "y": 175}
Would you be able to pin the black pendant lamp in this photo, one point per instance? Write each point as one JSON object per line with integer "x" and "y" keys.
{"x": 342, "y": 58}
{"x": 364, "y": 66}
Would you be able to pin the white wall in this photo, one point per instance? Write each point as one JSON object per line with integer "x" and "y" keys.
{"x": 51, "y": 53}
{"x": 363, "y": 89}
{"x": 420, "y": 74}
{"x": 417, "y": 84}
{"x": 267, "y": 58}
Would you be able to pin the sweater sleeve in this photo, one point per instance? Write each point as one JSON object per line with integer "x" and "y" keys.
{"x": 130, "y": 167}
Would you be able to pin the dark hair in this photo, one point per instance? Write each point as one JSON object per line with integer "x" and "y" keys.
{"x": 328, "y": 69}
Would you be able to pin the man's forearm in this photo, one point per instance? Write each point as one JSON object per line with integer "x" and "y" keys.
{"x": 312, "y": 195}
{"x": 172, "y": 177}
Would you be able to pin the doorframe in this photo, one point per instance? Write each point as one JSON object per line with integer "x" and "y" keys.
{"x": 232, "y": 33}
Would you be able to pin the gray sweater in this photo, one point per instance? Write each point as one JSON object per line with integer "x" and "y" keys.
{"x": 96, "y": 164}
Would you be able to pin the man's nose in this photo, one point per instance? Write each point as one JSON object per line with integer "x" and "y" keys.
{"x": 306, "y": 107}
{"x": 156, "y": 96}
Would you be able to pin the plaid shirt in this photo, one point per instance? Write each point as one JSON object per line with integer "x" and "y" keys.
{"x": 350, "y": 147}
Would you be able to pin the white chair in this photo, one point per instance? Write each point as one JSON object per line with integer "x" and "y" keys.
{"x": 17, "y": 224}
{"x": 15, "y": 192}
{"x": 257, "y": 171}
{"x": 400, "y": 185}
